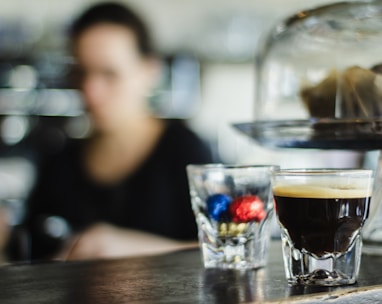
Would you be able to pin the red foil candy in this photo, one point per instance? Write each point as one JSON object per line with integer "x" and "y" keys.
{"x": 247, "y": 208}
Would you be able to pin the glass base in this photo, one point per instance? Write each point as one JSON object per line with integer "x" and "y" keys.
{"x": 322, "y": 277}
{"x": 331, "y": 270}
{"x": 246, "y": 250}
{"x": 236, "y": 253}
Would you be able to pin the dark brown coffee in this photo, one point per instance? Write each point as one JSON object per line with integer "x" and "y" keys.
{"x": 321, "y": 223}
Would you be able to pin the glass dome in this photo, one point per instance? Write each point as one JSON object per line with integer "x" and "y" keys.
{"x": 323, "y": 63}
{"x": 319, "y": 80}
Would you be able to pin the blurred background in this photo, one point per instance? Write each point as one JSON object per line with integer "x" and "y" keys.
{"x": 208, "y": 78}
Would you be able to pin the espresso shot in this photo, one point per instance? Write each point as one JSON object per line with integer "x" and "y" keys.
{"x": 321, "y": 222}
{"x": 321, "y": 213}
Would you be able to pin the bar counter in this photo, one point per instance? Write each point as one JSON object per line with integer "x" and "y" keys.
{"x": 176, "y": 277}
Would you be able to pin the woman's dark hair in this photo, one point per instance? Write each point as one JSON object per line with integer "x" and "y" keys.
{"x": 118, "y": 14}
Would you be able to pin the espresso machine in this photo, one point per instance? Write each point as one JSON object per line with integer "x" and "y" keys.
{"x": 319, "y": 86}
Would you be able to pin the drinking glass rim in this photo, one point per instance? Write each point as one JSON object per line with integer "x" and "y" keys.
{"x": 321, "y": 171}
{"x": 231, "y": 166}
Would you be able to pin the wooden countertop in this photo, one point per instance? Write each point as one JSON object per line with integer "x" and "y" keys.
{"x": 176, "y": 277}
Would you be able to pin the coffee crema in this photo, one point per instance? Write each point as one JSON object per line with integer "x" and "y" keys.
{"x": 321, "y": 219}
{"x": 323, "y": 190}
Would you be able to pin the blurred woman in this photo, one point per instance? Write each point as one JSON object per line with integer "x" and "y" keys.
{"x": 123, "y": 190}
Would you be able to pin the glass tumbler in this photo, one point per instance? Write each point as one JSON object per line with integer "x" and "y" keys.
{"x": 233, "y": 207}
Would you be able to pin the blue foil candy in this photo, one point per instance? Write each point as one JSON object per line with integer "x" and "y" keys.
{"x": 218, "y": 206}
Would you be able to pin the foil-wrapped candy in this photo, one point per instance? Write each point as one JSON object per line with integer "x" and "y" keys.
{"x": 232, "y": 229}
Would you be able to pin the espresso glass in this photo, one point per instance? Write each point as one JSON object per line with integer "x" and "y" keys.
{"x": 321, "y": 214}
{"x": 233, "y": 207}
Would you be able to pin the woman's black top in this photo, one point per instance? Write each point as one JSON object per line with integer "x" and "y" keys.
{"x": 154, "y": 199}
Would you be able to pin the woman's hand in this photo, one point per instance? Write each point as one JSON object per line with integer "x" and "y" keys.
{"x": 107, "y": 241}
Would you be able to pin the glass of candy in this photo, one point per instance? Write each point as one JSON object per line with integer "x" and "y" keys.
{"x": 233, "y": 207}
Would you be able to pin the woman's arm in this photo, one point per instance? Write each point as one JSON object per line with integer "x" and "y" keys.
{"x": 103, "y": 240}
